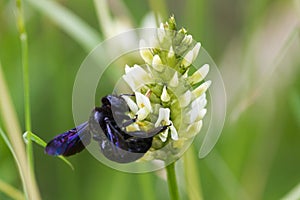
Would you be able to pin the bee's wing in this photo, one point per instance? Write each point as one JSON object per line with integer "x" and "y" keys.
{"x": 70, "y": 142}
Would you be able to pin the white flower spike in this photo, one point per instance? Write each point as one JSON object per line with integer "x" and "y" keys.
{"x": 164, "y": 91}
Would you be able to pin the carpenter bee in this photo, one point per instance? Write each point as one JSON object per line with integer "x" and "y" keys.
{"x": 106, "y": 125}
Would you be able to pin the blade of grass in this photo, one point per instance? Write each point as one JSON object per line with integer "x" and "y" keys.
{"x": 294, "y": 194}
{"x": 74, "y": 26}
{"x": 24, "y": 52}
{"x": 192, "y": 177}
{"x": 295, "y": 105}
{"x": 11, "y": 191}
{"x": 260, "y": 85}
{"x": 7, "y": 189}
{"x": 25, "y": 67}
{"x": 10, "y": 121}
{"x": 225, "y": 176}
{"x": 104, "y": 18}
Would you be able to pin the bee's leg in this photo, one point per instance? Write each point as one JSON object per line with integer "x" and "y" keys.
{"x": 129, "y": 122}
{"x": 150, "y": 133}
{"x": 130, "y": 95}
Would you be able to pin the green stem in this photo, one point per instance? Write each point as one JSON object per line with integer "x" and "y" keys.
{"x": 172, "y": 183}
{"x": 24, "y": 49}
{"x": 104, "y": 17}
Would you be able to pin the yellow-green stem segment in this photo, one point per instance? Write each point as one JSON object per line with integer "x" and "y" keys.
{"x": 172, "y": 182}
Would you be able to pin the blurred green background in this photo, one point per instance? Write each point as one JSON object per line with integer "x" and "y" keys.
{"x": 256, "y": 47}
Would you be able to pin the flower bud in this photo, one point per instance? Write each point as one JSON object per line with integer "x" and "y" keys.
{"x": 199, "y": 75}
{"x": 174, "y": 81}
{"x": 201, "y": 89}
{"x": 165, "y": 97}
{"x": 157, "y": 64}
{"x": 145, "y": 52}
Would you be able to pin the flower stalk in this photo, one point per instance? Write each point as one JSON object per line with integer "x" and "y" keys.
{"x": 172, "y": 182}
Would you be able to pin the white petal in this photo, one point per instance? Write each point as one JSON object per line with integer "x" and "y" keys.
{"x": 200, "y": 102}
{"x": 127, "y": 69}
{"x": 174, "y": 81}
{"x": 194, "y": 128}
{"x": 199, "y": 75}
{"x": 196, "y": 50}
{"x": 165, "y": 97}
{"x": 143, "y": 101}
{"x": 163, "y": 117}
{"x": 131, "y": 104}
{"x": 157, "y": 64}
{"x": 201, "y": 115}
{"x": 195, "y": 115}
{"x": 174, "y": 134}
{"x": 136, "y": 77}
{"x": 161, "y": 34}
{"x": 142, "y": 114}
{"x": 185, "y": 99}
{"x": 187, "y": 40}
{"x": 171, "y": 53}
{"x": 186, "y": 73}
{"x": 130, "y": 82}
{"x": 132, "y": 127}
{"x": 201, "y": 89}
{"x": 188, "y": 59}
{"x": 161, "y": 26}
{"x": 145, "y": 52}
{"x": 164, "y": 135}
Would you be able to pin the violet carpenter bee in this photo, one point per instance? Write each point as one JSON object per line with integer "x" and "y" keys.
{"x": 106, "y": 125}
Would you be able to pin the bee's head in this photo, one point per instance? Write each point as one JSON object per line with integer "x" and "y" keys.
{"x": 115, "y": 103}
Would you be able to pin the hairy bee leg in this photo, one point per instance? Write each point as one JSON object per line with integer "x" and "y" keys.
{"x": 130, "y": 95}
{"x": 129, "y": 122}
{"x": 150, "y": 133}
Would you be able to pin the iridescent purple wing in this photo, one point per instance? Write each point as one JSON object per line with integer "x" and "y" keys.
{"x": 70, "y": 142}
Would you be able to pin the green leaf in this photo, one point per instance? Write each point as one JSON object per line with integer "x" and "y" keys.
{"x": 34, "y": 138}
{"x": 4, "y": 187}
{"x": 295, "y": 105}
{"x": 6, "y": 141}
{"x": 74, "y": 26}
